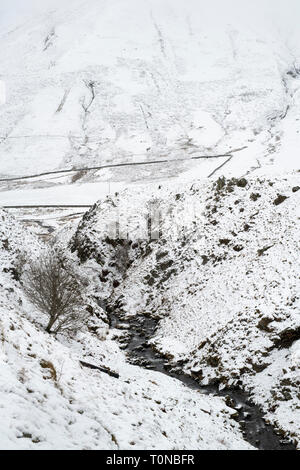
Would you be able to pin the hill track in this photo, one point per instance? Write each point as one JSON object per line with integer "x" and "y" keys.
{"x": 116, "y": 165}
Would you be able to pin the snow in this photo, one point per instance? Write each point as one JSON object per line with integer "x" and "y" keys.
{"x": 48, "y": 401}
{"x": 168, "y": 77}
{"x": 86, "y": 84}
{"x": 64, "y": 195}
{"x": 222, "y": 280}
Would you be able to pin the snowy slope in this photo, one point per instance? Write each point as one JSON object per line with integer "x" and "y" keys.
{"x": 222, "y": 278}
{"x": 90, "y": 82}
{"x": 48, "y": 401}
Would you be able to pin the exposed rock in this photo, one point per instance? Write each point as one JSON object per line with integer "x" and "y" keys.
{"x": 280, "y": 199}
{"x": 224, "y": 241}
{"x": 255, "y": 196}
{"x": 263, "y": 324}
{"x": 287, "y": 337}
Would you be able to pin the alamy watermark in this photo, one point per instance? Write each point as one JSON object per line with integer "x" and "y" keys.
{"x": 150, "y": 221}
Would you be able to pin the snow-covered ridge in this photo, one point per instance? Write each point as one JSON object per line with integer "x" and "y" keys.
{"x": 224, "y": 284}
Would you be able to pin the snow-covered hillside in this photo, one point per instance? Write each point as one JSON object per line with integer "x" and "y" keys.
{"x": 175, "y": 125}
{"x": 93, "y": 82}
{"x": 221, "y": 276}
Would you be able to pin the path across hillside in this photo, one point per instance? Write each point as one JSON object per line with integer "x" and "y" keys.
{"x": 115, "y": 165}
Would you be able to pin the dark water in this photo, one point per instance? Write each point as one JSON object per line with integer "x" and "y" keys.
{"x": 137, "y": 332}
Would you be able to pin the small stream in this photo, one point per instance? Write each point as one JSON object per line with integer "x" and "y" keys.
{"x": 139, "y": 330}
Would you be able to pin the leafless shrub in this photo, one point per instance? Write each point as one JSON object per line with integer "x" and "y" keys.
{"x": 54, "y": 288}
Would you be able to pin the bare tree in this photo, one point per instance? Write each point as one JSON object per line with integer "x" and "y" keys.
{"x": 53, "y": 287}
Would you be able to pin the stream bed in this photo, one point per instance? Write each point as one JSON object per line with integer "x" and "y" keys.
{"x": 136, "y": 333}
